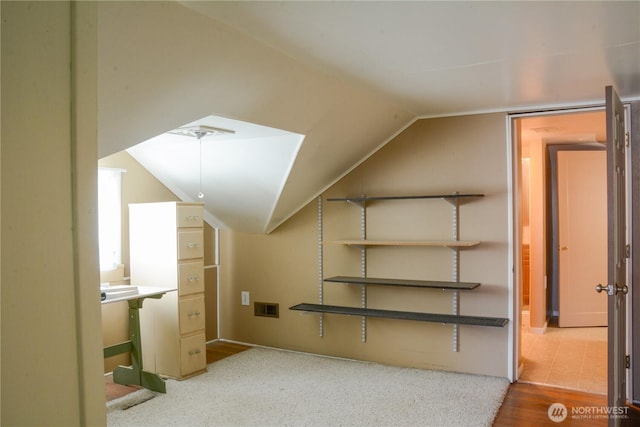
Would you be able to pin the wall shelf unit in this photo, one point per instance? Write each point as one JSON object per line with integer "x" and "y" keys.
{"x": 431, "y": 243}
{"x": 363, "y": 199}
{"x": 454, "y": 286}
{"x": 349, "y": 280}
{"x": 448, "y": 319}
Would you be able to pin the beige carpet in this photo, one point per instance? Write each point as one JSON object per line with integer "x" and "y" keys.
{"x": 266, "y": 387}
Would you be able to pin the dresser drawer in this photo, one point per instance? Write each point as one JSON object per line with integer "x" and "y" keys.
{"x": 191, "y": 313}
{"x": 193, "y": 354}
{"x": 189, "y": 216}
{"x": 190, "y": 278}
{"x": 190, "y": 244}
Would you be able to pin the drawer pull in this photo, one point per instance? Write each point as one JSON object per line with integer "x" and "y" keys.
{"x": 192, "y": 217}
{"x": 192, "y": 245}
{"x": 194, "y": 314}
{"x": 193, "y": 278}
{"x": 194, "y": 352}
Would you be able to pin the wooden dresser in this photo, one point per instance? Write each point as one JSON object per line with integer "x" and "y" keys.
{"x": 166, "y": 250}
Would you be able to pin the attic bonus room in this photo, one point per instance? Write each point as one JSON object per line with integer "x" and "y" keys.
{"x": 301, "y": 179}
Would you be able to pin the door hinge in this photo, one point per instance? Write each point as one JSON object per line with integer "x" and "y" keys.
{"x": 627, "y": 251}
{"x": 626, "y": 139}
{"x": 627, "y": 361}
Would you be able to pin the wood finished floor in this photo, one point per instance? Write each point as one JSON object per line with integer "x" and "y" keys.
{"x": 525, "y": 405}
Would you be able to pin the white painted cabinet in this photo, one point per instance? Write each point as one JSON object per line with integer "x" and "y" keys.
{"x": 166, "y": 250}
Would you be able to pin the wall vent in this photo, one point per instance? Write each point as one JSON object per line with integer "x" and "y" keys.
{"x": 266, "y": 309}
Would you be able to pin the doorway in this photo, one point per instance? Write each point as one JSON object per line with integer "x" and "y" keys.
{"x": 551, "y": 354}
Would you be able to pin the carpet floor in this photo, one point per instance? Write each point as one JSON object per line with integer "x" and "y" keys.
{"x": 267, "y": 387}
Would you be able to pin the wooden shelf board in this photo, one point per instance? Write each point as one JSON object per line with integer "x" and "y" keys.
{"x": 402, "y": 282}
{"x": 360, "y": 199}
{"x": 402, "y": 315}
{"x": 432, "y": 243}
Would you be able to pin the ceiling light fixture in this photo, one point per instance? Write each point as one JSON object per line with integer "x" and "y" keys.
{"x": 199, "y": 132}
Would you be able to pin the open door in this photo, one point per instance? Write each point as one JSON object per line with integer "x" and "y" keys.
{"x": 617, "y": 254}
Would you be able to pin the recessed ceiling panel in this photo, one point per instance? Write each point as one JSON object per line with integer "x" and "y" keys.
{"x": 240, "y": 174}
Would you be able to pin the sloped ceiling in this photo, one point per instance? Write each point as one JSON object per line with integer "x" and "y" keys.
{"x": 348, "y": 76}
{"x": 162, "y": 66}
{"x": 452, "y": 57}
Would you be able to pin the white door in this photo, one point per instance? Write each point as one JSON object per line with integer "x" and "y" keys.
{"x": 582, "y": 237}
{"x": 616, "y": 286}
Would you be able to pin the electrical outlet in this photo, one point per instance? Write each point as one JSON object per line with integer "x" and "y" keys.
{"x": 244, "y": 296}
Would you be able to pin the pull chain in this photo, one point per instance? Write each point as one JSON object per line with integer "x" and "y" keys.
{"x": 200, "y": 193}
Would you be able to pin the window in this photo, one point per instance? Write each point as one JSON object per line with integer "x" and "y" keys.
{"x": 109, "y": 217}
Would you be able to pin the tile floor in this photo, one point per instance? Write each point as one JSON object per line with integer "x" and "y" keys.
{"x": 574, "y": 358}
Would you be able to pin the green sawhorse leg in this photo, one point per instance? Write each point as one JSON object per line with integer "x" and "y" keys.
{"x": 134, "y": 374}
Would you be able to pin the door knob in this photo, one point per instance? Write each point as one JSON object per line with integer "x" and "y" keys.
{"x": 611, "y": 289}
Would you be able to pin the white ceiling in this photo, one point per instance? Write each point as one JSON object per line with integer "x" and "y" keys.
{"x": 247, "y": 169}
{"x": 451, "y": 57}
{"x": 345, "y": 75}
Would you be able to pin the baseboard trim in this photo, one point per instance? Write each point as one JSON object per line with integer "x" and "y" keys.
{"x": 540, "y": 331}
{"x": 231, "y": 342}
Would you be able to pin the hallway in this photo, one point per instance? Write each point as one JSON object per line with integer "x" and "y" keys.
{"x": 574, "y": 358}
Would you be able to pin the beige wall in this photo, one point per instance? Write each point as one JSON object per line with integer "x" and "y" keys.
{"x": 210, "y": 283}
{"x": 538, "y": 232}
{"x": 51, "y": 349}
{"x": 466, "y": 154}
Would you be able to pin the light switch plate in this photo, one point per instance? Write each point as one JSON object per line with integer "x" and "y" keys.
{"x": 244, "y": 296}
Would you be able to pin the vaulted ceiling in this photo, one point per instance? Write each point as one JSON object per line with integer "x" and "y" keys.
{"x": 344, "y": 76}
